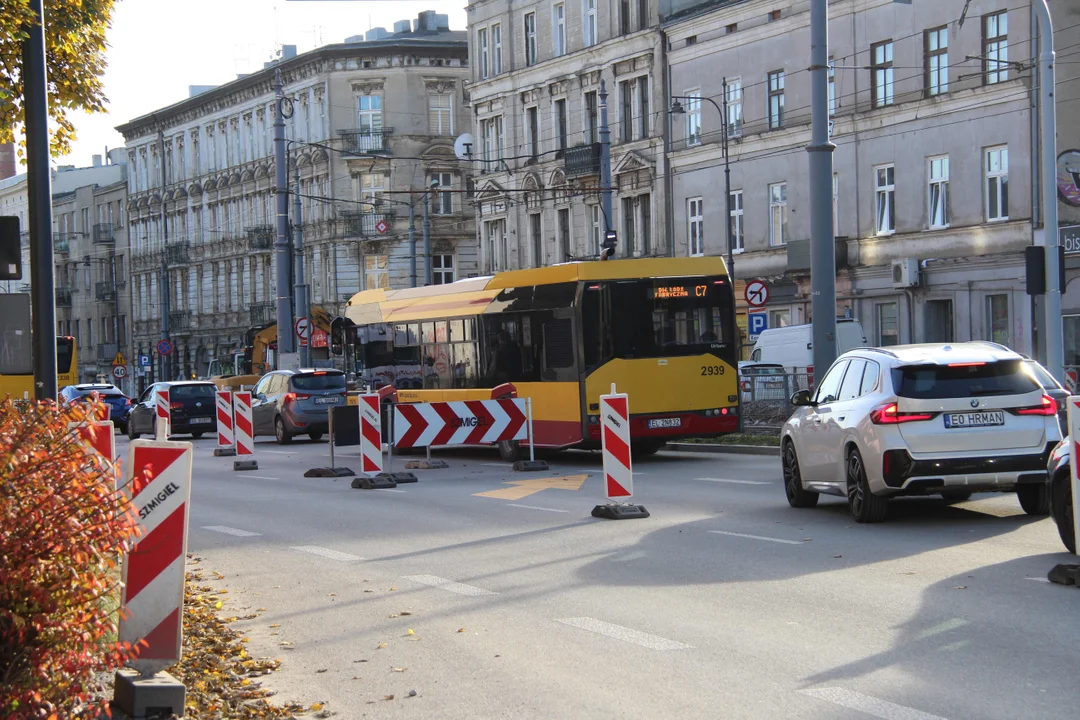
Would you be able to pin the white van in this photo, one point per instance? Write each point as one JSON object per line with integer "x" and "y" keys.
{"x": 793, "y": 346}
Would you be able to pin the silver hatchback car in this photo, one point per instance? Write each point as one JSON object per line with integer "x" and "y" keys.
{"x": 286, "y": 403}
{"x": 948, "y": 419}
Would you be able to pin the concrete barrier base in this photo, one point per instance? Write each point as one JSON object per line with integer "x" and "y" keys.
{"x": 620, "y": 512}
{"x": 426, "y": 465}
{"x": 245, "y": 465}
{"x": 379, "y": 482}
{"x": 160, "y": 695}
{"x": 334, "y": 472}
{"x": 224, "y": 452}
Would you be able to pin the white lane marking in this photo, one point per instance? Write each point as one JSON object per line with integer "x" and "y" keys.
{"x": 734, "y": 482}
{"x": 498, "y": 465}
{"x": 758, "y": 537}
{"x": 444, "y": 584}
{"x": 230, "y": 531}
{"x": 261, "y": 477}
{"x": 536, "y": 507}
{"x": 1045, "y": 580}
{"x": 327, "y": 553}
{"x": 389, "y": 490}
{"x": 869, "y": 705}
{"x": 653, "y": 642}
{"x": 277, "y": 452}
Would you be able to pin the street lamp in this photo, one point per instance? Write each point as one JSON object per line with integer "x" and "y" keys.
{"x": 678, "y": 109}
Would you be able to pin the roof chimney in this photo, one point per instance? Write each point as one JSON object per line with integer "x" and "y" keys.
{"x": 288, "y": 51}
{"x": 402, "y": 26}
{"x": 7, "y": 160}
{"x": 442, "y": 22}
{"x": 96, "y": 160}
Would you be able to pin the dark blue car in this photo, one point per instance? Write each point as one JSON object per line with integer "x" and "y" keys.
{"x": 119, "y": 403}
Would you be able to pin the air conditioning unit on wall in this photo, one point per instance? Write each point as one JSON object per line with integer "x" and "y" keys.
{"x": 905, "y": 272}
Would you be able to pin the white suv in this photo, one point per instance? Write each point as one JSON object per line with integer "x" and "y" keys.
{"x": 948, "y": 419}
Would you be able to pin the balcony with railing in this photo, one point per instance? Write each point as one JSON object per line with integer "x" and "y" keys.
{"x": 582, "y": 160}
{"x": 103, "y": 234}
{"x": 263, "y": 313}
{"x": 180, "y": 321}
{"x": 63, "y": 296}
{"x": 105, "y": 291}
{"x": 367, "y": 224}
{"x": 366, "y": 142}
{"x": 62, "y": 242}
{"x": 260, "y": 237}
{"x": 176, "y": 253}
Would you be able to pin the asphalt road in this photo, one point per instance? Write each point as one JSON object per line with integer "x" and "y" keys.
{"x": 726, "y": 603}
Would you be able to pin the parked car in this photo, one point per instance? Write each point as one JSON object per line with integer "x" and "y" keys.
{"x": 948, "y": 419}
{"x": 763, "y": 381}
{"x": 286, "y": 403}
{"x": 191, "y": 404}
{"x": 1061, "y": 496}
{"x": 793, "y": 345}
{"x": 119, "y": 403}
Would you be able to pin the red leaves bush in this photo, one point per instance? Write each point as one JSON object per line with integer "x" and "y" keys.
{"x": 63, "y": 527}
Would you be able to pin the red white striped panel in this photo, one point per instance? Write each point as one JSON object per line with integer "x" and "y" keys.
{"x": 245, "y": 444}
{"x": 224, "y": 403}
{"x": 99, "y": 437}
{"x": 162, "y": 411}
{"x": 461, "y": 422}
{"x": 159, "y": 484}
{"x": 370, "y": 435}
{"x": 615, "y": 440}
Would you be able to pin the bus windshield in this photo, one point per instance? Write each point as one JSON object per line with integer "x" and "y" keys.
{"x": 657, "y": 317}
{"x": 63, "y": 354}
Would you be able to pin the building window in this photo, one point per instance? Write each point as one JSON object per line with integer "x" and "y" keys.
{"x": 881, "y": 68}
{"x": 885, "y": 199}
{"x": 492, "y": 129}
{"x": 532, "y": 127}
{"x": 778, "y": 214}
{"x": 496, "y": 49}
{"x": 774, "y": 15}
{"x": 997, "y": 318}
{"x": 536, "y": 239}
{"x": 937, "y": 200}
{"x": 642, "y": 14}
{"x": 634, "y": 115}
{"x": 590, "y": 23}
{"x": 629, "y": 225}
{"x": 624, "y": 17}
{"x": 695, "y": 227}
{"x": 888, "y": 324}
{"x": 779, "y": 318}
{"x": 995, "y": 47}
{"x": 376, "y": 272}
{"x": 997, "y": 183}
{"x": 444, "y": 197}
{"x": 643, "y": 106}
{"x": 530, "y": 38}
{"x": 560, "y": 125}
{"x": 440, "y": 114}
{"x": 738, "y": 242}
{"x": 495, "y": 234}
{"x": 693, "y": 117}
{"x": 936, "y": 50}
{"x": 776, "y": 99}
{"x": 485, "y": 56}
{"x": 369, "y": 122}
{"x": 595, "y": 229}
{"x": 734, "y": 108}
{"x": 558, "y": 29}
{"x": 832, "y": 89}
{"x": 626, "y": 109}
{"x": 442, "y": 269}
{"x": 591, "y": 113}
{"x": 563, "y": 217}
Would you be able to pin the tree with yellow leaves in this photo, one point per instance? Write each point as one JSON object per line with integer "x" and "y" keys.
{"x": 75, "y": 56}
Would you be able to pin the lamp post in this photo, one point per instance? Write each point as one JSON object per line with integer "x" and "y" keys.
{"x": 678, "y": 109}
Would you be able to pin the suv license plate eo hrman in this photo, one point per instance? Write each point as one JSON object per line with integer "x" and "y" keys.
{"x": 665, "y": 423}
{"x": 975, "y": 419}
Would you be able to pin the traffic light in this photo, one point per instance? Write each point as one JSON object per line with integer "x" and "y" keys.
{"x": 607, "y": 247}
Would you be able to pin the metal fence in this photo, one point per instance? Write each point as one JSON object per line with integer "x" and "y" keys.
{"x": 766, "y": 399}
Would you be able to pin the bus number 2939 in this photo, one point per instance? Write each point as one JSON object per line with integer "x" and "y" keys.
{"x": 712, "y": 369}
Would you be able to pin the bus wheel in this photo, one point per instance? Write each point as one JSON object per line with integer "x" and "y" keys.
{"x": 644, "y": 449}
{"x": 510, "y": 450}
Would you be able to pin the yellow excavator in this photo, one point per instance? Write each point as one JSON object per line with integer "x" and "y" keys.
{"x": 244, "y": 368}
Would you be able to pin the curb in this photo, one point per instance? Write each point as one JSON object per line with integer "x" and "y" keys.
{"x": 725, "y": 449}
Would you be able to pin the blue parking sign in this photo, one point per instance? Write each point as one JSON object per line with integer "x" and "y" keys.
{"x": 756, "y": 323}
{"x": 144, "y": 361}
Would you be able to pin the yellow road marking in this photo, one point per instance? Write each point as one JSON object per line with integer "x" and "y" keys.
{"x": 524, "y": 488}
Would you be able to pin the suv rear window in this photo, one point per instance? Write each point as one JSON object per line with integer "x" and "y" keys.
{"x": 323, "y": 381}
{"x": 191, "y": 391}
{"x": 931, "y": 382}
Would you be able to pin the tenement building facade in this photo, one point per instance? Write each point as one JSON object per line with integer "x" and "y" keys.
{"x": 372, "y": 126}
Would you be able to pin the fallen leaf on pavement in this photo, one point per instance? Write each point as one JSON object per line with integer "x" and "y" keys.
{"x": 392, "y": 616}
{"x": 356, "y": 661}
{"x": 284, "y": 643}
{"x": 393, "y": 588}
{"x": 332, "y": 595}
{"x": 398, "y": 669}
{"x": 217, "y": 605}
{"x": 380, "y": 646}
{"x": 322, "y": 671}
{"x": 410, "y": 632}
{"x": 404, "y": 613}
{"x": 316, "y": 707}
{"x": 388, "y": 697}
{"x": 461, "y": 629}
{"x": 369, "y": 591}
{"x": 276, "y": 625}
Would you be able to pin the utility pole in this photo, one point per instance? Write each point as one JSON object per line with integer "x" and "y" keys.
{"x": 412, "y": 240}
{"x": 302, "y": 308}
{"x": 281, "y": 244}
{"x": 605, "y": 159}
{"x": 1052, "y": 324}
{"x": 727, "y": 193}
{"x": 822, "y": 242}
{"x": 427, "y": 239}
{"x": 39, "y": 196}
{"x": 163, "y": 285}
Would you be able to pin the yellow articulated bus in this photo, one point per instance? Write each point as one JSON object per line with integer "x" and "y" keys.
{"x": 662, "y": 330}
{"x": 17, "y": 375}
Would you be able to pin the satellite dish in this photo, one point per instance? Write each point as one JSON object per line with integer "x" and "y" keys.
{"x": 463, "y": 146}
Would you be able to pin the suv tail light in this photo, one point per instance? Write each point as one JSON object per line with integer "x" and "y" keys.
{"x": 1048, "y": 406}
{"x": 293, "y": 397}
{"x": 890, "y": 415}
{"x": 174, "y": 405}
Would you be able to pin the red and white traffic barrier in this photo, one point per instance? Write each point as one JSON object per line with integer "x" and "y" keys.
{"x": 223, "y": 400}
{"x": 99, "y": 437}
{"x": 615, "y": 440}
{"x": 244, "y": 430}
{"x": 462, "y": 422}
{"x": 162, "y": 415}
{"x": 371, "y": 457}
{"x": 158, "y": 481}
